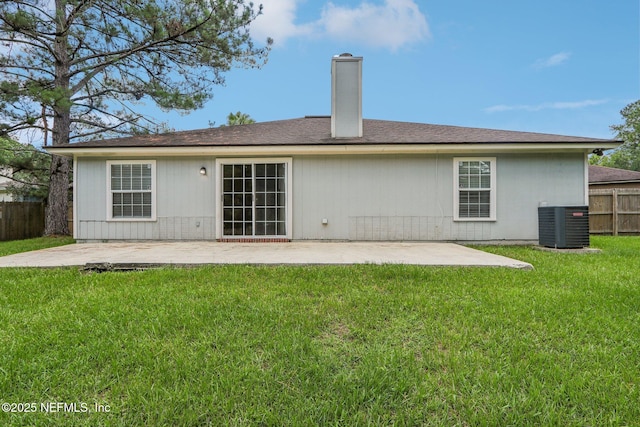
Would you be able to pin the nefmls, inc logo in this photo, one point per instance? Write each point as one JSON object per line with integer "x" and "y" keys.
{"x": 74, "y": 407}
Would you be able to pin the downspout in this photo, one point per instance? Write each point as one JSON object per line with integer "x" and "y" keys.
{"x": 586, "y": 179}
{"x": 75, "y": 197}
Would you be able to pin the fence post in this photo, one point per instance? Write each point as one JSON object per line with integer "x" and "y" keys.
{"x": 615, "y": 217}
{"x": 2, "y": 220}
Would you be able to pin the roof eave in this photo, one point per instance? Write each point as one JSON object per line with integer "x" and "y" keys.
{"x": 333, "y": 149}
{"x": 626, "y": 181}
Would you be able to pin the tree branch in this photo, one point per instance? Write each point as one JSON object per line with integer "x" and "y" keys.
{"x": 144, "y": 45}
{"x": 38, "y": 184}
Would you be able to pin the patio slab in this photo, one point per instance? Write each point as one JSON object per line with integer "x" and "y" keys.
{"x": 294, "y": 253}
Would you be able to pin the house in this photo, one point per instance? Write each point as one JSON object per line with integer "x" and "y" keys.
{"x": 601, "y": 178}
{"x": 338, "y": 177}
{"x": 5, "y": 194}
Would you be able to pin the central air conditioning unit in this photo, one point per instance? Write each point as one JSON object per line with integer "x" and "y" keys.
{"x": 563, "y": 227}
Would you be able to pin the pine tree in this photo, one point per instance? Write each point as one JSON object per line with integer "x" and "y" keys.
{"x": 78, "y": 69}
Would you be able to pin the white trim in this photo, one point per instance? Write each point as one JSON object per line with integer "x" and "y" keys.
{"x": 492, "y": 190}
{"x": 74, "y": 224}
{"x": 332, "y": 149}
{"x": 586, "y": 179}
{"x": 288, "y": 161}
{"x": 154, "y": 201}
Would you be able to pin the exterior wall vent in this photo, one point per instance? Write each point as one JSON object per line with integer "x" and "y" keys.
{"x": 346, "y": 96}
{"x": 563, "y": 227}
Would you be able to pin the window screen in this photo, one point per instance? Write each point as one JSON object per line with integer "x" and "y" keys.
{"x": 131, "y": 190}
{"x": 475, "y": 192}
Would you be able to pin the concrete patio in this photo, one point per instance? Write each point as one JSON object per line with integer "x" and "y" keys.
{"x": 294, "y": 253}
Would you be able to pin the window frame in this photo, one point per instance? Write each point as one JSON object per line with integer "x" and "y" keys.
{"x": 110, "y": 192}
{"x": 220, "y": 162}
{"x": 492, "y": 189}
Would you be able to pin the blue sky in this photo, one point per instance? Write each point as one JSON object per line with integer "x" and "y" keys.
{"x": 565, "y": 67}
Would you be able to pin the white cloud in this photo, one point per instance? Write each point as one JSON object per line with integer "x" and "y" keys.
{"x": 278, "y": 21}
{"x": 547, "y": 106}
{"x": 390, "y": 25}
{"x": 553, "y": 60}
{"x": 395, "y": 24}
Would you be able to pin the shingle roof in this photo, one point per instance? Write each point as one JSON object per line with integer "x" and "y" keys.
{"x": 602, "y": 174}
{"x": 316, "y": 130}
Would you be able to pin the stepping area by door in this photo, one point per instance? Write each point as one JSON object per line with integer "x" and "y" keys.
{"x": 293, "y": 253}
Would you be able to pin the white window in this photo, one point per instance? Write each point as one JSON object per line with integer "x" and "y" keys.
{"x": 131, "y": 190}
{"x": 475, "y": 189}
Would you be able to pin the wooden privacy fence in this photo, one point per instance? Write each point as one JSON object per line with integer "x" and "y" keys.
{"x": 614, "y": 211}
{"x": 21, "y": 220}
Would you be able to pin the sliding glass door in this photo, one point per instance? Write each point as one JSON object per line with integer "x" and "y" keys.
{"x": 254, "y": 199}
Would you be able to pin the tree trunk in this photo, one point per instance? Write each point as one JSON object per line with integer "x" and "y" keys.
{"x": 57, "y": 207}
{"x": 58, "y": 200}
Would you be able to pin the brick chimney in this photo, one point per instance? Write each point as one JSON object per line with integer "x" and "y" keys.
{"x": 346, "y": 96}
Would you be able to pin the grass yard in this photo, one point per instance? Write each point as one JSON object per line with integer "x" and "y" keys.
{"x": 347, "y": 345}
{"x": 17, "y": 246}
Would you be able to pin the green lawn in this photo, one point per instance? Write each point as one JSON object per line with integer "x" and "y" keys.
{"x": 16, "y": 246}
{"x": 348, "y": 345}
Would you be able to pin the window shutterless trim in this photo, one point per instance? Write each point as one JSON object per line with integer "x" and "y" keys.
{"x": 457, "y": 190}
{"x": 110, "y": 192}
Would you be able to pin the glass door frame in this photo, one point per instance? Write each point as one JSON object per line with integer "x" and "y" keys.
{"x": 220, "y": 162}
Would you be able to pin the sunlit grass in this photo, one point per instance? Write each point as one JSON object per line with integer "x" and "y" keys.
{"x": 16, "y": 246}
{"x": 341, "y": 345}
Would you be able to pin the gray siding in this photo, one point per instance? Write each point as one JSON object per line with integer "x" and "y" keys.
{"x": 185, "y": 202}
{"x": 394, "y": 197}
{"x": 526, "y": 182}
{"x": 411, "y": 197}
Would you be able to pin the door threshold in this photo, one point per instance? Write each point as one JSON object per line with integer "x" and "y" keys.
{"x": 254, "y": 240}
